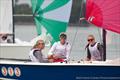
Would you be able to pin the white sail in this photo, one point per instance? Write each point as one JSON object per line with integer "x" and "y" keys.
{"x": 6, "y": 17}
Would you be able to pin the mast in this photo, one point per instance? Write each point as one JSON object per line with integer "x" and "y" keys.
{"x": 13, "y": 21}
{"x": 104, "y": 44}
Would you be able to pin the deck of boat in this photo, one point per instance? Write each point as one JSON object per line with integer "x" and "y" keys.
{"x": 27, "y": 62}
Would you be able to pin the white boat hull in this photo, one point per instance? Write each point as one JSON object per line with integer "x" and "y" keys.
{"x": 16, "y": 51}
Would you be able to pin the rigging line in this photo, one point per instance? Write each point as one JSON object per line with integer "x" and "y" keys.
{"x": 13, "y": 19}
{"x": 116, "y": 42}
{"x": 119, "y": 45}
{"x": 99, "y": 33}
{"x": 76, "y": 29}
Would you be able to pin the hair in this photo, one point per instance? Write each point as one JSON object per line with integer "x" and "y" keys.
{"x": 4, "y": 37}
{"x": 88, "y": 43}
{"x": 91, "y": 36}
{"x": 37, "y": 43}
{"x": 63, "y": 35}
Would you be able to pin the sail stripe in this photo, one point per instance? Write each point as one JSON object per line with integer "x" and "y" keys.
{"x": 33, "y": 2}
{"x": 55, "y": 4}
{"x": 38, "y": 6}
{"x": 38, "y": 24}
{"x": 46, "y": 3}
{"x": 54, "y": 27}
{"x": 63, "y": 14}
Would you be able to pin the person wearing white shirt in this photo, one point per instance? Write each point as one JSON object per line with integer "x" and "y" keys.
{"x": 94, "y": 50}
{"x": 60, "y": 50}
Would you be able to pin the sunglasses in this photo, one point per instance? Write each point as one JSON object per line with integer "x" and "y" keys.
{"x": 90, "y": 39}
{"x": 42, "y": 43}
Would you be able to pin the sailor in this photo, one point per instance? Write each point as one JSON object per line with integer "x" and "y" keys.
{"x": 4, "y": 38}
{"x": 94, "y": 49}
{"x": 60, "y": 50}
{"x": 36, "y": 54}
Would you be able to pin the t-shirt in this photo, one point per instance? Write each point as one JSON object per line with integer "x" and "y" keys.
{"x": 60, "y": 50}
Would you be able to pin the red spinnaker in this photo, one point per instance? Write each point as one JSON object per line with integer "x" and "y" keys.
{"x": 104, "y": 13}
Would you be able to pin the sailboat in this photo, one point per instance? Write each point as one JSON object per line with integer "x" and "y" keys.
{"x": 49, "y": 24}
{"x": 49, "y": 18}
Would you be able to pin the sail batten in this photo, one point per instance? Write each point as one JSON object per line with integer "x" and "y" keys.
{"x": 104, "y": 14}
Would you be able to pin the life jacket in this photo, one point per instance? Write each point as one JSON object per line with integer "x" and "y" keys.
{"x": 32, "y": 57}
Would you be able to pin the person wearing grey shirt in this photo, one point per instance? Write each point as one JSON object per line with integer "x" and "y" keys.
{"x": 36, "y": 54}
